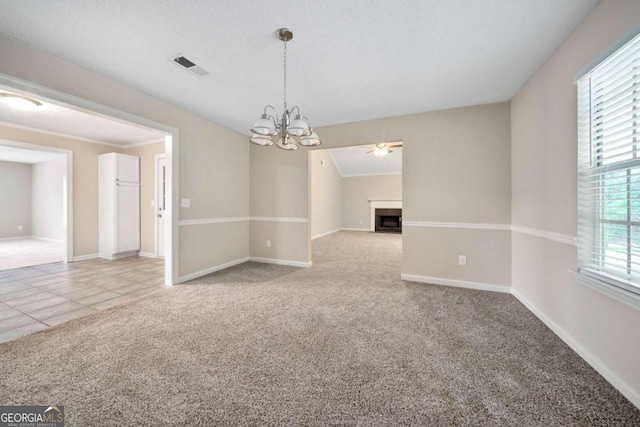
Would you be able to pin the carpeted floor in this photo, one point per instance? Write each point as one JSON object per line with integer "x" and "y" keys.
{"x": 18, "y": 253}
{"x": 345, "y": 342}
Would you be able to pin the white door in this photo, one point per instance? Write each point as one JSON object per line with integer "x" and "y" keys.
{"x": 127, "y": 217}
{"x": 161, "y": 202}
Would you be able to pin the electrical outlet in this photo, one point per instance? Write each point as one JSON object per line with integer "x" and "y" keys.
{"x": 462, "y": 260}
{"x": 268, "y": 243}
{"x": 185, "y": 203}
{"x": 20, "y": 227}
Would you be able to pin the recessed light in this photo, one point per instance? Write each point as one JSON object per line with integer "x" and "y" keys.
{"x": 18, "y": 102}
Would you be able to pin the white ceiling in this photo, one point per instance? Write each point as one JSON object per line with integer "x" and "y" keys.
{"x": 357, "y": 161}
{"x": 349, "y": 60}
{"x": 61, "y": 120}
{"x": 21, "y": 155}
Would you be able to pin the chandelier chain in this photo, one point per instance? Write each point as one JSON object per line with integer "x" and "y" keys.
{"x": 285, "y": 75}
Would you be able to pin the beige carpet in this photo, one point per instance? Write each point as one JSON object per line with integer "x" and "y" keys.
{"x": 344, "y": 342}
{"x": 18, "y": 253}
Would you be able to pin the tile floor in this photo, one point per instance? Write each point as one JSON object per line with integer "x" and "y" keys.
{"x": 35, "y": 298}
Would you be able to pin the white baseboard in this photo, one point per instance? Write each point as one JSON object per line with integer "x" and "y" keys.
{"x": 354, "y": 229}
{"x": 86, "y": 257}
{"x": 325, "y": 234}
{"x": 210, "y": 270}
{"x": 120, "y": 255}
{"x": 15, "y": 238}
{"x": 587, "y": 355}
{"x": 281, "y": 262}
{"x": 46, "y": 239}
{"x": 147, "y": 254}
{"x": 455, "y": 283}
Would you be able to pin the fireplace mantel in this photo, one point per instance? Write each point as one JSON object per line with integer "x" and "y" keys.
{"x": 381, "y": 204}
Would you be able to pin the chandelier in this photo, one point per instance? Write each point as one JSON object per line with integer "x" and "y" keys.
{"x": 289, "y": 132}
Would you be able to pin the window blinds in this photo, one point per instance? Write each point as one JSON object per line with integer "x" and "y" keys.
{"x": 609, "y": 169}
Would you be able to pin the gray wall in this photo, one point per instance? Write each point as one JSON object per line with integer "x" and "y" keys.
{"x": 15, "y": 198}
{"x": 358, "y": 190}
{"x": 544, "y": 175}
{"x": 326, "y": 194}
{"x": 47, "y": 199}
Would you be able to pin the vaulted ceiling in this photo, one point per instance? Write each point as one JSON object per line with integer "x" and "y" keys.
{"x": 349, "y": 60}
{"x": 359, "y": 161}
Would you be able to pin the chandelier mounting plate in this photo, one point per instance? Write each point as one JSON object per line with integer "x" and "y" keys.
{"x": 284, "y": 34}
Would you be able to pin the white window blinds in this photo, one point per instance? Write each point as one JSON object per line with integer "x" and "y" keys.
{"x": 609, "y": 169}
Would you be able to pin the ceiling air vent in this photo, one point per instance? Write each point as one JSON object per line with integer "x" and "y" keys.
{"x": 189, "y": 65}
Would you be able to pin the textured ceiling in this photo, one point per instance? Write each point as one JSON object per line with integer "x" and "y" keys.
{"x": 61, "y": 120}
{"x": 349, "y": 60}
{"x": 357, "y": 161}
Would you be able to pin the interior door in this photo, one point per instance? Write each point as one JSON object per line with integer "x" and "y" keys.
{"x": 127, "y": 217}
{"x": 161, "y": 202}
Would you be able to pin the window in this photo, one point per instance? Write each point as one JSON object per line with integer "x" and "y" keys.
{"x": 609, "y": 170}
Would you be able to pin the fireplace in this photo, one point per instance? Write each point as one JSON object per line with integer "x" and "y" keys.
{"x": 388, "y": 220}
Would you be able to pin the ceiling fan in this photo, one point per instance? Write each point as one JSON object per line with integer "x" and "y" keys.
{"x": 384, "y": 148}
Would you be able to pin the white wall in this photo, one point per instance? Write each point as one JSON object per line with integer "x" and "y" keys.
{"x": 47, "y": 208}
{"x": 326, "y": 194}
{"x": 358, "y": 190}
{"x": 544, "y": 179}
{"x": 15, "y": 199}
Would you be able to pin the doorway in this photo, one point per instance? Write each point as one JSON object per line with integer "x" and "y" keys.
{"x": 36, "y": 190}
{"x": 169, "y": 139}
{"x": 349, "y": 184}
{"x": 356, "y": 189}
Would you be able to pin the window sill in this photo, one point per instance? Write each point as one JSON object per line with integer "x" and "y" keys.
{"x": 628, "y": 298}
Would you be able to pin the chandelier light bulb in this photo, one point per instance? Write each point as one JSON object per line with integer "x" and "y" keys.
{"x": 287, "y": 145}
{"x": 299, "y": 127}
{"x": 265, "y": 126}
{"x": 310, "y": 140}
{"x": 262, "y": 140}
